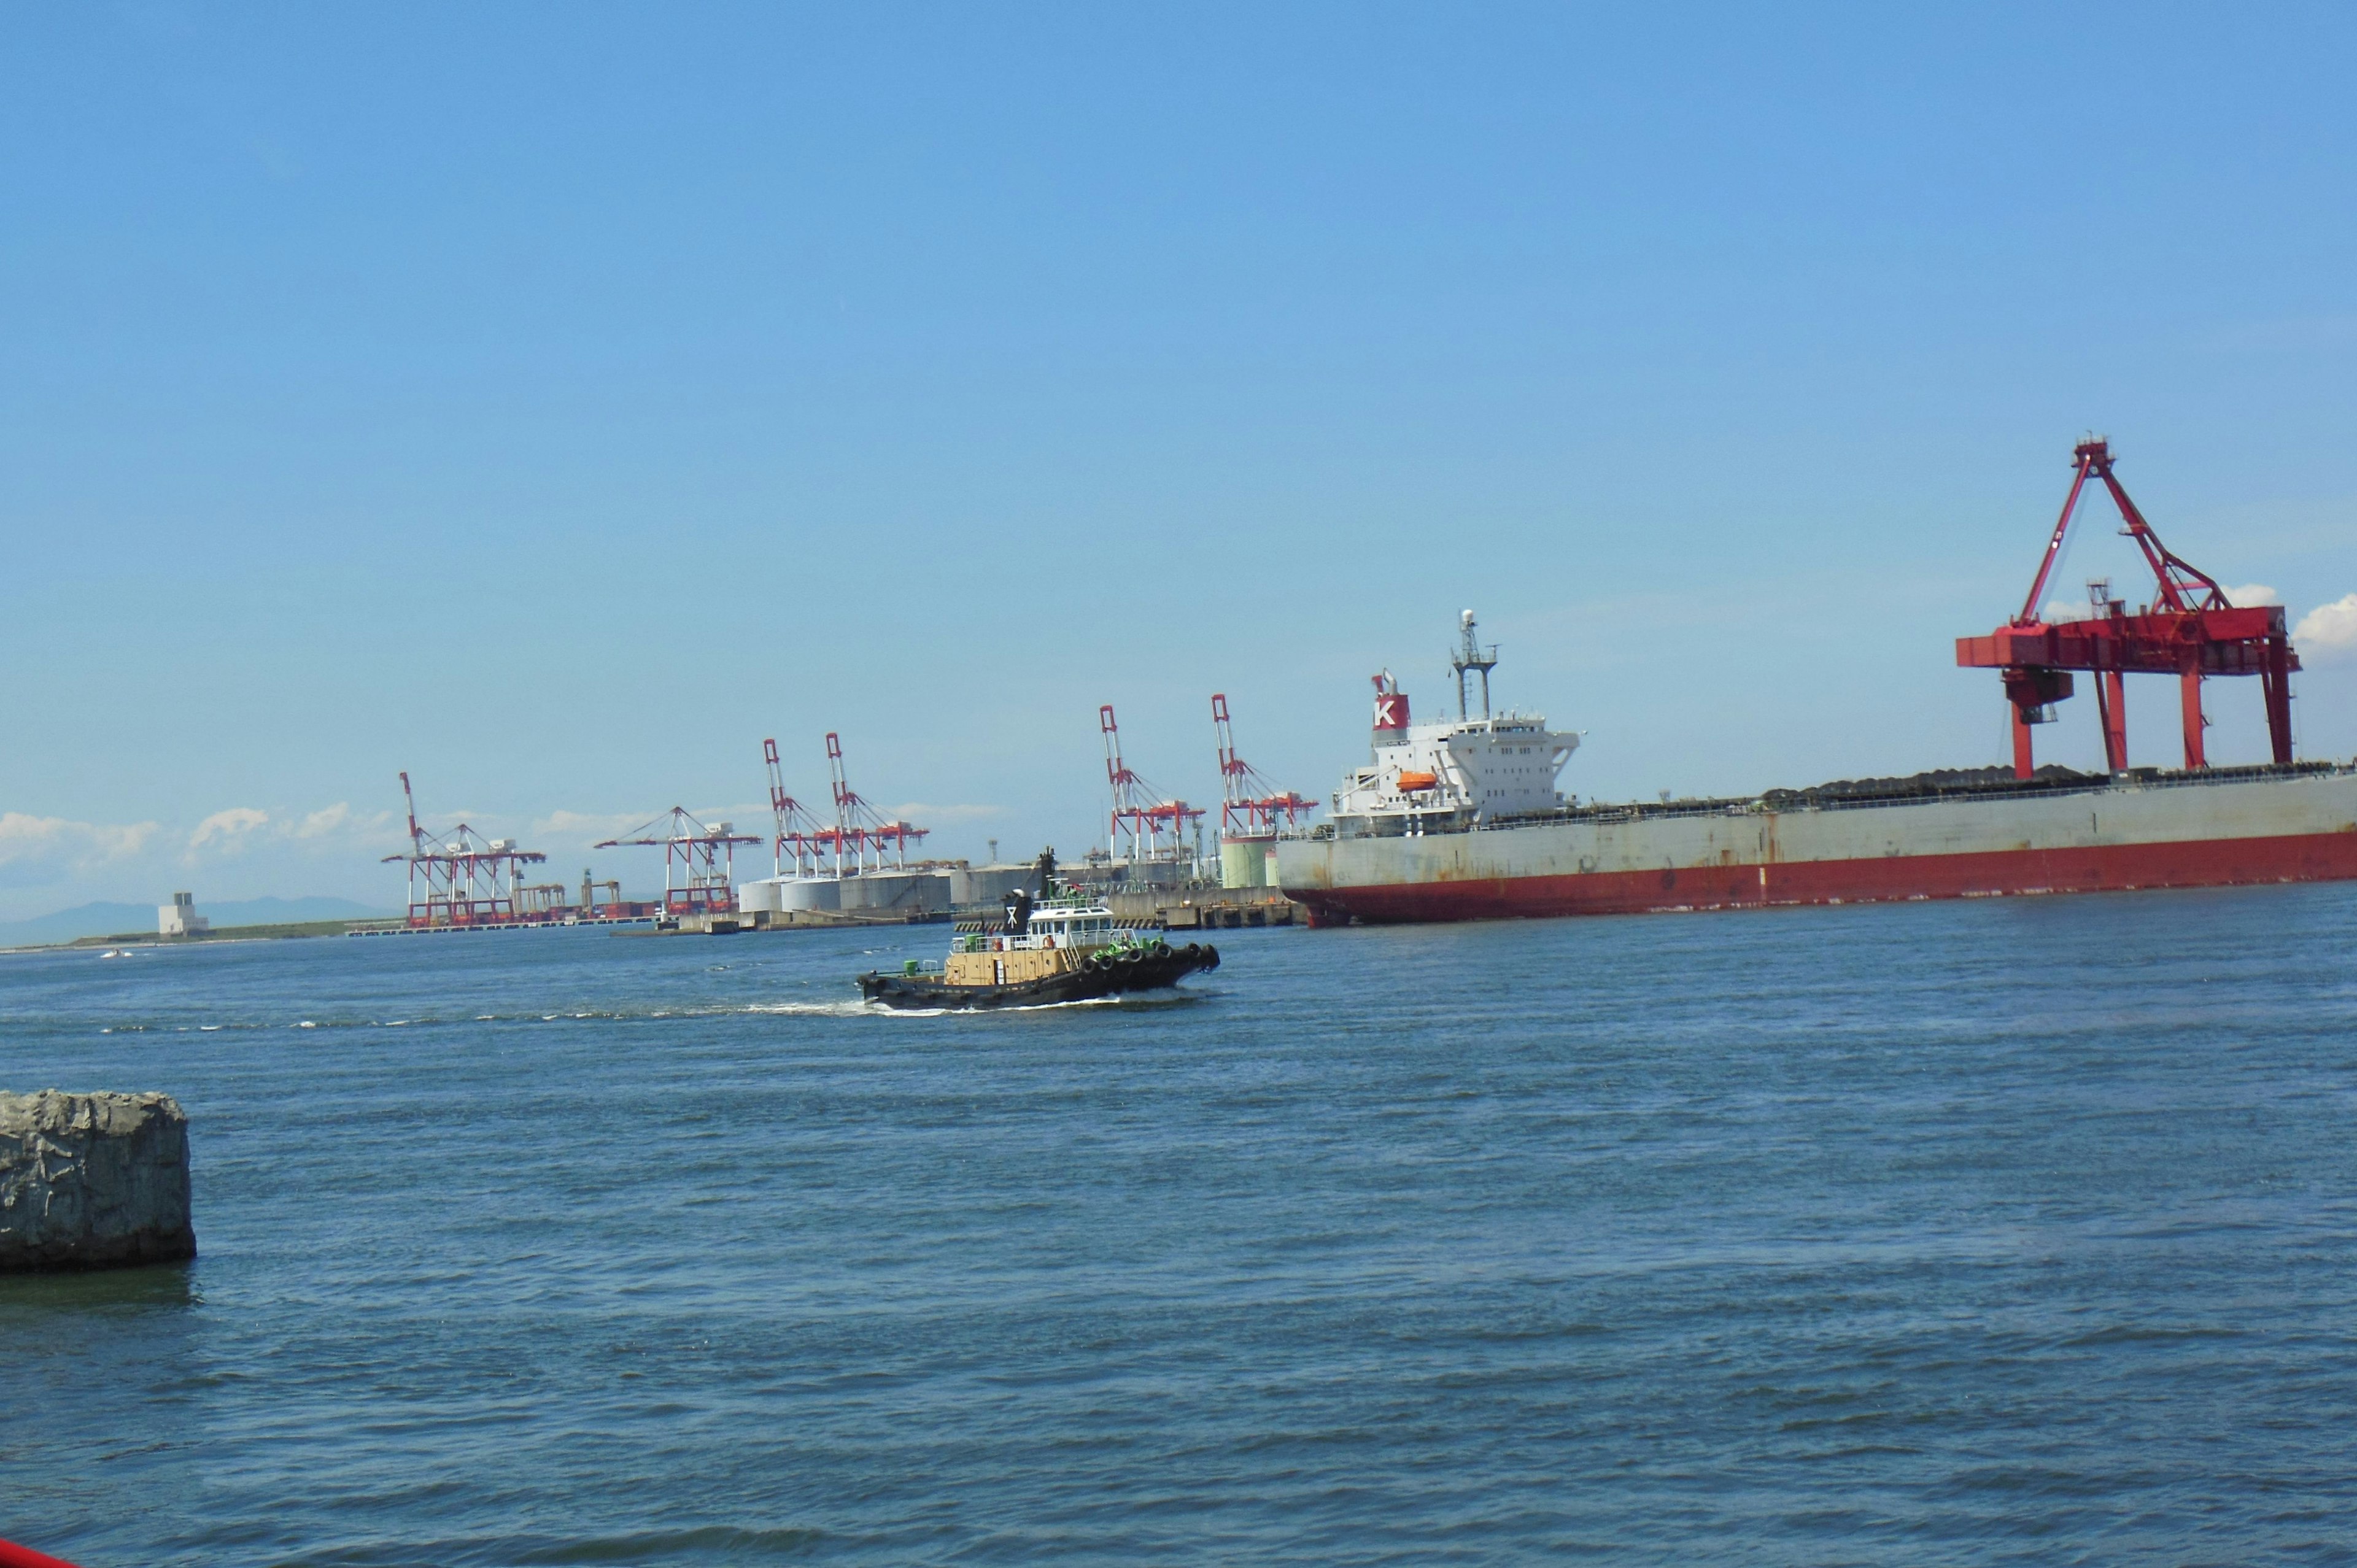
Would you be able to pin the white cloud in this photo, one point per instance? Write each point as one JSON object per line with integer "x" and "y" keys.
{"x": 579, "y": 828}
{"x": 917, "y": 813}
{"x": 55, "y": 841}
{"x": 2057, "y": 611}
{"x": 753, "y": 819}
{"x": 332, "y": 829}
{"x": 2328, "y": 628}
{"x": 228, "y": 830}
{"x": 583, "y": 827}
{"x": 319, "y": 824}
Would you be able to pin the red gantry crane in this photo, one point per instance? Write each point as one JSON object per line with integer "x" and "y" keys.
{"x": 859, "y": 827}
{"x": 699, "y": 862}
{"x": 1140, "y": 812}
{"x": 2188, "y": 630}
{"x": 469, "y": 880}
{"x": 1249, "y": 806}
{"x": 798, "y": 834}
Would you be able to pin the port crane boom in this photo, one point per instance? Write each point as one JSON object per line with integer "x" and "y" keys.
{"x": 2190, "y": 630}
{"x": 699, "y": 862}
{"x": 859, "y": 828}
{"x": 795, "y": 831}
{"x": 1250, "y": 805}
{"x": 1141, "y": 815}
{"x": 469, "y": 880}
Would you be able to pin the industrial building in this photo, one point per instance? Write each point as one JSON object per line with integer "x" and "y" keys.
{"x": 179, "y": 918}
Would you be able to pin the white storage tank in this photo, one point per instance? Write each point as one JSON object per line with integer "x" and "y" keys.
{"x": 819, "y": 893}
{"x": 872, "y": 890}
{"x": 988, "y": 884}
{"x": 896, "y": 892}
{"x": 767, "y": 894}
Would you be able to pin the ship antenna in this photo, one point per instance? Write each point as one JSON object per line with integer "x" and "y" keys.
{"x": 1471, "y": 656}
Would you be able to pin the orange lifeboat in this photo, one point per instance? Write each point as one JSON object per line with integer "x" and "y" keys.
{"x": 1410, "y": 782}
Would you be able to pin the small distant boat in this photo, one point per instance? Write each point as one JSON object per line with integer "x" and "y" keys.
{"x": 1062, "y": 947}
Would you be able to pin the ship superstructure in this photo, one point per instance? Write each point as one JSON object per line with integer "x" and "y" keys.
{"x": 1454, "y": 775}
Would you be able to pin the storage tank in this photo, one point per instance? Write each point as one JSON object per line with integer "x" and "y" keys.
{"x": 1150, "y": 873}
{"x": 896, "y": 892}
{"x": 816, "y": 892}
{"x": 1245, "y": 862}
{"x": 872, "y": 890}
{"x": 768, "y": 892}
{"x": 986, "y": 884}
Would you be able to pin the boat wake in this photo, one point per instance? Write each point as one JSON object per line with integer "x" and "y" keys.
{"x": 1129, "y": 1002}
{"x": 837, "y": 1007}
{"x": 847, "y": 1007}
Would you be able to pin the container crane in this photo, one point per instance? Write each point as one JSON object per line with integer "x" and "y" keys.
{"x": 699, "y": 862}
{"x": 469, "y": 880}
{"x": 1249, "y": 806}
{"x": 859, "y": 827}
{"x": 796, "y": 831}
{"x": 2188, "y": 630}
{"x": 1140, "y": 812}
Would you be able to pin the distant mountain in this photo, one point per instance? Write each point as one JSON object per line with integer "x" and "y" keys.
{"x": 121, "y": 920}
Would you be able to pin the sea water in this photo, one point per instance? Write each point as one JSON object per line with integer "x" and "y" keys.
{"x": 2008, "y": 1230}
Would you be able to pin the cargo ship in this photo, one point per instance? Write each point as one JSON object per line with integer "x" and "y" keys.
{"x": 1461, "y": 819}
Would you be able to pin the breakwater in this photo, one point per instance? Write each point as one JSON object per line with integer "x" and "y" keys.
{"x": 92, "y": 1181}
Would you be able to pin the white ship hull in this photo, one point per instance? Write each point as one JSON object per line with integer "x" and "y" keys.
{"x": 2190, "y": 831}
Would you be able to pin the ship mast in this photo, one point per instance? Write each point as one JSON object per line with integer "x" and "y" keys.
{"x": 1471, "y": 656}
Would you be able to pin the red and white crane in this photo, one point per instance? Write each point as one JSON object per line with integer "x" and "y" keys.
{"x": 859, "y": 829}
{"x": 797, "y": 833}
{"x": 469, "y": 880}
{"x": 699, "y": 862}
{"x": 1249, "y": 806}
{"x": 2188, "y": 630}
{"x": 1154, "y": 826}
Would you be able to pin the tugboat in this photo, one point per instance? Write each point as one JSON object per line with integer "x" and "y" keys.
{"x": 1061, "y": 946}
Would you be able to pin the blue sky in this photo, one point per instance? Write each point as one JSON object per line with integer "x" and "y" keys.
{"x": 555, "y": 401}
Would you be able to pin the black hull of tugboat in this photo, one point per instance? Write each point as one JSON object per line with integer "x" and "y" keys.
{"x": 1135, "y": 971}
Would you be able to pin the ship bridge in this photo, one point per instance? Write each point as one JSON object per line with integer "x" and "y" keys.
{"x": 1437, "y": 777}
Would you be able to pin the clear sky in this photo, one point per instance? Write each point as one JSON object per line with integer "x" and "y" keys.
{"x": 555, "y": 401}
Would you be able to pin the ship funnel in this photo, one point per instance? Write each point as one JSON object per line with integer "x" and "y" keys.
{"x": 1391, "y": 711}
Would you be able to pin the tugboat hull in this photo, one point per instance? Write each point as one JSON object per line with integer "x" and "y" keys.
{"x": 1102, "y": 974}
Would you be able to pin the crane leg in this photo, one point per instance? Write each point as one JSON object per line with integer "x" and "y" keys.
{"x": 2023, "y": 766}
{"x": 2112, "y": 706}
{"x": 2274, "y": 679}
{"x": 2190, "y": 691}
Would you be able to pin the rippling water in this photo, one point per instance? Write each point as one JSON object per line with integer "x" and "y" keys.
{"x": 2004, "y": 1231}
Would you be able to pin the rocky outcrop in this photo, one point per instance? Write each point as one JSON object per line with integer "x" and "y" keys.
{"x": 92, "y": 1181}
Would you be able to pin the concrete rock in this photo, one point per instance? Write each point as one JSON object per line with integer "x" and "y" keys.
{"x": 92, "y": 1181}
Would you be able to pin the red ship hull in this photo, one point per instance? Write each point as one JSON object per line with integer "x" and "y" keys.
{"x": 2221, "y": 862}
